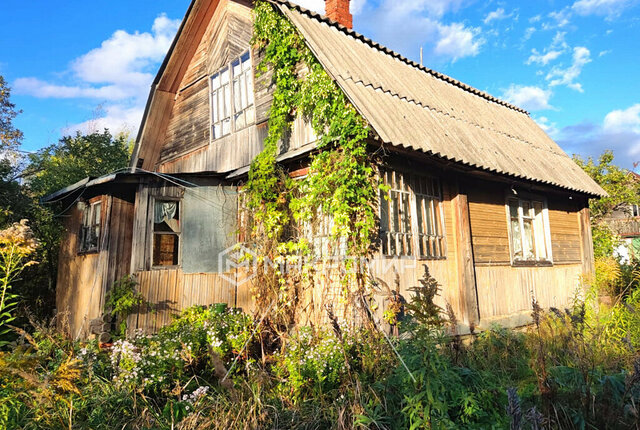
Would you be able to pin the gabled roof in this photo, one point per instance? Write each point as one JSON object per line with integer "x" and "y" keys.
{"x": 407, "y": 105}
{"x": 411, "y": 106}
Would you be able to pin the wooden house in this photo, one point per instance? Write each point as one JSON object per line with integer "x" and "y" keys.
{"x": 477, "y": 191}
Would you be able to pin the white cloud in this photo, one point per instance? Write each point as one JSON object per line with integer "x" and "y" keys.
{"x": 529, "y": 32}
{"x": 117, "y": 118}
{"x": 549, "y": 127}
{"x": 605, "y": 52}
{"x": 355, "y": 6}
{"x": 496, "y": 15}
{"x": 41, "y": 89}
{"x": 623, "y": 120}
{"x": 118, "y": 73}
{"x": 567, "y": 76}
{"x": 608, "y": 8}
{"x": 407, "y": 25}
{"x": 457, "y": 41}
{"x": 543, "y": 59}
{"x": 619, "y": 131}
{"x": 530, "y": 98}
{"x": 559, "y": 19}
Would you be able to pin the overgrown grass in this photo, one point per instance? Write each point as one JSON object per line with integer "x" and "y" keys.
{"x": 206, "y": 370}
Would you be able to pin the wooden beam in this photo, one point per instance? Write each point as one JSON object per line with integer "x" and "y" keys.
{"x": 466, "y": 269}
{"x": 586, "y": 240}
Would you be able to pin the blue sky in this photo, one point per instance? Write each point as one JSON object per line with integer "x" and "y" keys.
{"x": 573, "y": 64}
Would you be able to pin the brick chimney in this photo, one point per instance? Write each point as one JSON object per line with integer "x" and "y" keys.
{"x": 338, "y": 10}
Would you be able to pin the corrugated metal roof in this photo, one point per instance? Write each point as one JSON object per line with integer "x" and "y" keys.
{"x": 414, "y": 107}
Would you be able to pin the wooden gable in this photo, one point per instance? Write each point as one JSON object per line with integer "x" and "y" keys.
{"x": 227, "y": 36}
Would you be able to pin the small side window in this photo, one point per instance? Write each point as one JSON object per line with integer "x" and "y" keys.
{"x": 529, "y": 230}
{"x": 90, "y": 229}
{"x": 166, "y": 233}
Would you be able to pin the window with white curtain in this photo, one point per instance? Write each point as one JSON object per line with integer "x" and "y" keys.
{"x": 166, "y": 233}
{"x": 232, "y": 97}
{"x": 529, "y": 231}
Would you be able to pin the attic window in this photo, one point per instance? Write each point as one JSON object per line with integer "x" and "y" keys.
{"x": 90, "y": 230}
{"x": 232, "y": 98}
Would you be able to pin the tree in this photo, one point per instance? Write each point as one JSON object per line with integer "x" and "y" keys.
{"x": 10, "y": 137}
{"x": 11, "y": 198}
{"x": 623, "y": 188}
{"x": 74, "y": 158}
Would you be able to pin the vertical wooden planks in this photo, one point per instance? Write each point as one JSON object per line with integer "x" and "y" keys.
{"x": 466, "y": 268}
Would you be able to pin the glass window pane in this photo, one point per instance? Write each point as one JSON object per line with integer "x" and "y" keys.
{"x": 516, "y": 239}
{"x": 513, "y": 208}
{"x": 215, "y": 110}
{"x": 226, "y": 127}
{"x": 237, "y": 95}
{"x": 243, "y": 91}
{"x": 227, "y": 101}
{"x": 527, "y": 241}
{"x": 224, "y": 76}
{"x": 384, "y": 212}
{"x": 251, "y": 115}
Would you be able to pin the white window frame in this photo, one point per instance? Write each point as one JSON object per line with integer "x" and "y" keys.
{"x": 544, "y": 221}
{"x": 88, "y": 225}
{"x": 247, "y": 108}
{"x": 635, "y": 210}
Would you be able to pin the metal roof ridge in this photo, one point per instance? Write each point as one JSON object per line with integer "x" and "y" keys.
{"x": 392, "y": 53}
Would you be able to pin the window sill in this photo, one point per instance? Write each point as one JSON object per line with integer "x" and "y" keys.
{"x": 89, "y": 252}
{"x": 532, "y": 264}
{"x": 165, "y": 267}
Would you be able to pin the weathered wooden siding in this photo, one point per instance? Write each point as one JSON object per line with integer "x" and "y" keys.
{"x": 227, "y": 36}
{"x": 505, "y": 293}
{"x": 187, "y": 146}
{"x": 489, "y": 224}
{"x": 410, "y": 270}
{"x": 84, "y": 278}
{"x": 565, "y": 231}
{"x": 170, "y": 291}
{"x": 79, "y": 283}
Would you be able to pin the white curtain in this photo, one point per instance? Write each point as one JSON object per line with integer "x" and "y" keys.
{"x": 164, "y": 211}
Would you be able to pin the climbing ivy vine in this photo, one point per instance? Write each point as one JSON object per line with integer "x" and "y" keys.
{"x": 341, "y": 183}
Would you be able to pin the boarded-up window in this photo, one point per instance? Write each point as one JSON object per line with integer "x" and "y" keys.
{"x": 529, "y": 230}
{"x": 166, "y": 233}
{"x": 411, "y": 217}
{"x": 90, "y": 229}
{"x": 232, "y": 97}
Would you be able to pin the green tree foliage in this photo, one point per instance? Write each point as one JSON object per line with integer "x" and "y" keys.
{"x": 74, "y": 158}
{"x": 622, "y": 187}
{"x": 10, "y": 196}
{"x": 10, "y": 137}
